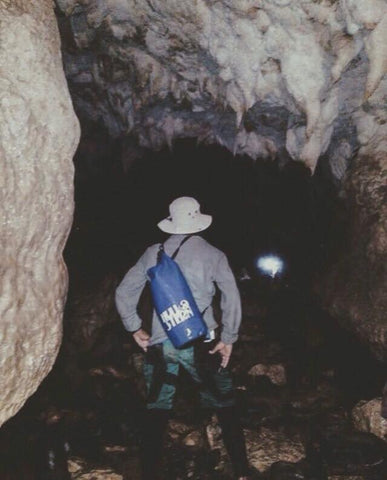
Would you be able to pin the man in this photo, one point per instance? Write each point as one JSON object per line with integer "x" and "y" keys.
{"x": 206, "y": 361}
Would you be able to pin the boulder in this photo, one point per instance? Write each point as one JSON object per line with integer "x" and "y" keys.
{"x": 270, "y": 446}
{"x": 367, "y": 417}
{"x": 276, "y": 373}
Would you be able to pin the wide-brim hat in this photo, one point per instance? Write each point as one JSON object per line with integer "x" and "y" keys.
{"x": 185, "y": 217}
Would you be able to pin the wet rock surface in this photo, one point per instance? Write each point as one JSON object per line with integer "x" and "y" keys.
{"x": 38, "y": 135}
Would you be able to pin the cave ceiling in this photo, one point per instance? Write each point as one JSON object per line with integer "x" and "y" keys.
{"x": 271, "y": 79}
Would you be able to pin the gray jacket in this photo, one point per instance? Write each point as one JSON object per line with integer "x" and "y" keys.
{"x": 202, "y": 265}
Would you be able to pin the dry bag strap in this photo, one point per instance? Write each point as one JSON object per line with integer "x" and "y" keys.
{"x": 177, "y": 251}
{"x": 161, "y": 248}
{"x": 181, "y": 244}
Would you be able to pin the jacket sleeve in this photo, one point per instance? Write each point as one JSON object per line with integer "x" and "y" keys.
{"x": 230, "y": 302}
{"x": 128, "y": 294}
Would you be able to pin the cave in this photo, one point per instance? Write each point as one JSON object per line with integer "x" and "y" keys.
{"x": 272, "y": 114}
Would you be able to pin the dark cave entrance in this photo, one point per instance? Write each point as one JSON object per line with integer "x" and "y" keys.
{"x": 258, "y": 208}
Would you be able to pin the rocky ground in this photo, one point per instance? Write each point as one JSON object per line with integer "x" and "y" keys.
{"x": 307, "y": 412}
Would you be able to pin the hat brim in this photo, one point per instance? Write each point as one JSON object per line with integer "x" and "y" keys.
{"x": 198, "y": 224}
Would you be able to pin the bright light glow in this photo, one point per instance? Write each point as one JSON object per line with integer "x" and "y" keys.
{"x": 270, "y": 264}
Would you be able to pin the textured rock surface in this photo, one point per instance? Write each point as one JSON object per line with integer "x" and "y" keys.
{"x": 268, "y": 446}
{"x": 264, "y": 448}
{"x": 354, "y": 289}
{"x": 366, "y": 417}
{"x": 384, "y": 402}
{"x": 38, "y": 136}
{"x": 79, "y": 469}
{"x": 346, "y": 477}
{"x": 88, "y": 314}
{"x": 263, "y": 78}
{"x": 276, "y": 373}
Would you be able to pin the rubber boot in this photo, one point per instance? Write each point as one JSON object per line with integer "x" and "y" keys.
{"x": 234, "y": 440}
{"x": 155, "y": 423}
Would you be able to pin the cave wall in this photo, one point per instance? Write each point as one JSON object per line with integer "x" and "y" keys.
{"x": 271, "y": 79}
{"x": 38, "y": 136}
{"x": 354, "y": 289}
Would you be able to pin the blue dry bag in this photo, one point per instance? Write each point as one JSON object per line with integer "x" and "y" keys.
{"x": 173, "y": 301}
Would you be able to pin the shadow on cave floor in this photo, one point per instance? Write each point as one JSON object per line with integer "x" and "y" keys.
{"x": 86, "y": 416}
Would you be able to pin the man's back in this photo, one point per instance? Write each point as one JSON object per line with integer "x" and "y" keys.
{"x": 203, "y": 265}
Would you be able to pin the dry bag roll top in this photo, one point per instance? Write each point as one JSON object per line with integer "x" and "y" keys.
{"x": 173, "y": 301}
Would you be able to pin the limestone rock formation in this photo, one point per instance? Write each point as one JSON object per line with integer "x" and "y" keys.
{"x": 267, "y": 79}
{"x": 38, "y": 136}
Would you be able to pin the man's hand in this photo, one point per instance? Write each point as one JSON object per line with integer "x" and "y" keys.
{"x": 142, "y": 339}
{"x": 225, "y": 352}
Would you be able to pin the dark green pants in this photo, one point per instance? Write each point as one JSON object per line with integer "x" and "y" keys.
{"x": 161, "y": 369}
{"x": 162, "y": 364}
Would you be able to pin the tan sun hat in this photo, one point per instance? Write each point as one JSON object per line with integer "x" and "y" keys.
{"x": 185, "y": 217}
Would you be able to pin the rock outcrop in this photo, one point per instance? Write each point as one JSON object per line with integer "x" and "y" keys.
{"x": 354, "y": 289}
{"x": 367, "y": 417}
{"x": 38, "y": 136}
{"x": 270, "y": 79}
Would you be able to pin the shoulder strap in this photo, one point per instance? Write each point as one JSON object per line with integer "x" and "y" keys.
{"x": 173, "y": 256}
{"x": 181, "y": 244}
